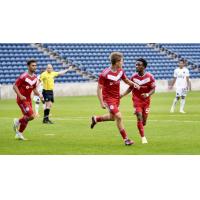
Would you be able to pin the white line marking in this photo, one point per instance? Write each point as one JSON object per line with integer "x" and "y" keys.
{"x": 130, "y": 118}
{"x": 49, "y": 134}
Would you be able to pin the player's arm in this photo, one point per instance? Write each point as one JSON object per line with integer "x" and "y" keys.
{"x": 126, "y": 92}
{"x": 16, "y": 89}
{"x": 62, "y": 72}
{"x": 131, "y": 83}
{"x": 152, "y": 87}
{"x": 145, "y": 95}
{"x": 172, "y": 84}
{"x": 100, "y": 96}
{"x": 188, "y": 83}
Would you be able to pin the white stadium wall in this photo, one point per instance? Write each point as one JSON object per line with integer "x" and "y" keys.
{"x": 86, "y": 89}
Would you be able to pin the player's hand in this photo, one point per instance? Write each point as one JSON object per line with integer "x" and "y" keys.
{"x": 145, "y": 95}
{"x": 42, "y": 99}
{"x": 135, "y": 85}
{"x": 22, "y": 98}
{"x": 103, "y": 106}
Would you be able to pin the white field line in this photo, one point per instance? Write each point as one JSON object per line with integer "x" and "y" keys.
{"x": 125, "y": 119}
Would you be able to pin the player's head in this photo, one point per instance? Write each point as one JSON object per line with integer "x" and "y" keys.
{"x": 116, "y": 59}
{"x": 140, "y": 64}
{"x": 32, "y": 65}
{"x": 181, "y": 63}
{"x": 49, "y": 68}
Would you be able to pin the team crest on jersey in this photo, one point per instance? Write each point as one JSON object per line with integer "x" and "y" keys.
{"x": 30, "y": 81}
{"x": 111, "y": 107}
{"x": 115, "y": 78}
{"x": 141, "y": 82}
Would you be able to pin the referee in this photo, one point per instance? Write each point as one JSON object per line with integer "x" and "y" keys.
{"x": 47, "y": 77}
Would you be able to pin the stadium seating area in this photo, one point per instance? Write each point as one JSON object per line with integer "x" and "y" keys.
{"x": 13, "y": 59}
{"x": 189, "y": 51}
{"x": 93, "y": 58}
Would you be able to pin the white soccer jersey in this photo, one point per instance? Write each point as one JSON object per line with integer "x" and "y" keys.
{"x": 180, "y": 75}
{"x": 40, "y": 86}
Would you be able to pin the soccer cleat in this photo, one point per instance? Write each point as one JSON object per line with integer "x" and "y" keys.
{"x": 19, "y": 136}
{"x": 93, "y": 123}
{"x": 45, "y": 121}
{"x": 128, "y": 142}
{"x": 16, "y": 125}
{"x": 182, "y": 111}
{"x": 49, "y": 122}
{"x": 144, "y": 140}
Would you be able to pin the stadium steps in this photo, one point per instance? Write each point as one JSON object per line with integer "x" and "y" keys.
{"x": 66, "y": 62}
{"x": 174, "y": 56}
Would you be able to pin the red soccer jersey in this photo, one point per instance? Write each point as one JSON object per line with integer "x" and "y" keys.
{"x": 26, "y": 84}
{"x": 146, "y": 82}
{"x": 111, "y": 84}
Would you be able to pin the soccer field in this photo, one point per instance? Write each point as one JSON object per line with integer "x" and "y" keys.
{"x": 167, "y": 133}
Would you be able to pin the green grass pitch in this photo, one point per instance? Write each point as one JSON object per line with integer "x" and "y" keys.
{"x": 167, "y": 133}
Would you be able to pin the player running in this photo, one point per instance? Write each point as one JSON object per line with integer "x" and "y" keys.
{"x": 108, "y": 92}
{"x": 24, "y": 85}
{"x": 181, "y": 78}
{"x": 47, "y": 77}
{"x": 141, "y": 98}
{"x": 36, "y": 98}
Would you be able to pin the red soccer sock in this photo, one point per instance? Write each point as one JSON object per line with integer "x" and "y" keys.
{"x": 140, "y": 128}
{"x": 123, "y": 134}
{"x": 23, "y": 123}
{"x": 99, "y": 119}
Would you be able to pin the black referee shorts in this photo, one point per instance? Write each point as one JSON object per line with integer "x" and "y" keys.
{"x": 48, "y": 95}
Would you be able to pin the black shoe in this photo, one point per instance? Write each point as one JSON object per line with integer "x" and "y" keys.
{"x": 93, "y": 122}
{"x": 45, "y": 121}
{"x": 49, "y": 122}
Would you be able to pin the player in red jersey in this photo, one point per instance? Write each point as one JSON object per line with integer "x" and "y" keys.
{"x": 141, "y": 98}
{"x": 108, "y": 92}
{"x": 23, "y": 86}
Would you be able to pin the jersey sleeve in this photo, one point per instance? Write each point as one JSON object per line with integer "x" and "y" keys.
{"x": 175, "y": 73}
{"x": 124, "y": 77}
{"x": 55, "y": 74}
{"x": 101, "y": 79}
{"x": 19, "y": 80}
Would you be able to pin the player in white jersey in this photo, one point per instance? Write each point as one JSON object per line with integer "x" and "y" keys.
{"x": 36, "y": 99}
{"x": 182, "y": 84}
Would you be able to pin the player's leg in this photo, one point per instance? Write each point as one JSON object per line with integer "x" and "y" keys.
{"x": 21, "y": 124}
{"x": 48, "y": 106}
{"x": 182, "y": 104}
{"x": 120, "y": 126}
{"x": 102, "y": 118}
{"x": 140, "y": 125}
{"x": 176, "y": 99}
{"x": 37, "y": 105}
{"x": 144, "y": 121}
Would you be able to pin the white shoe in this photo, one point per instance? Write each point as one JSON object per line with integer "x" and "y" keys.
{"x": 144, "y": 140}
{"x": 19, "y": 136}
{"x": 172, "y": 110}
{"x": 182, "y": 111}
{"x": 16, "y": 125}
